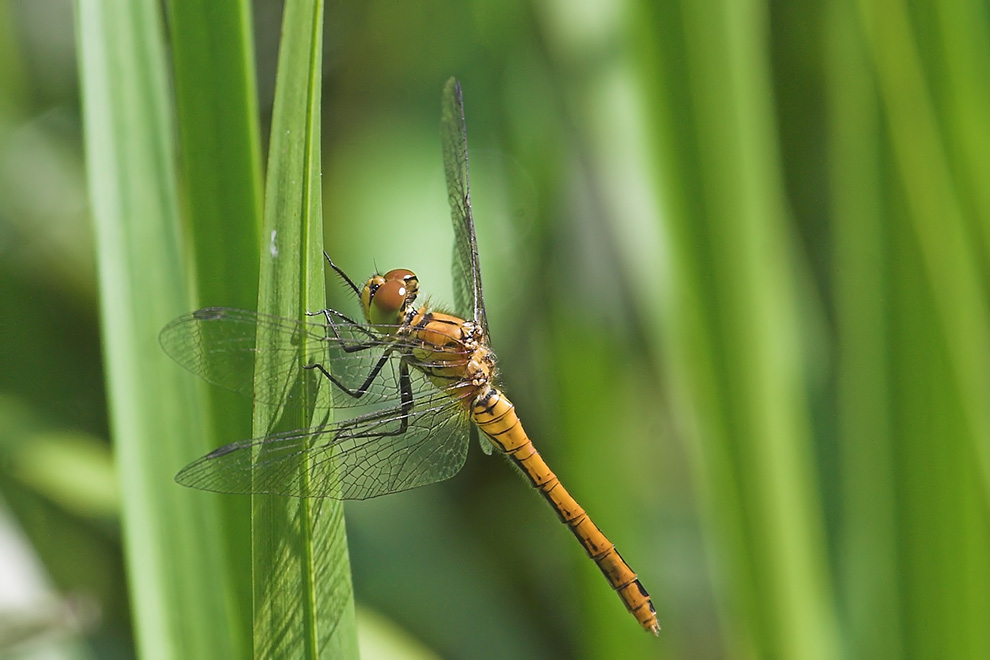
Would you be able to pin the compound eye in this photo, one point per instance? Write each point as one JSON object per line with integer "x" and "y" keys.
{"x": 387, "y": 301}
{"x": 400, "y": 274}
{"x": 406, "y": 277}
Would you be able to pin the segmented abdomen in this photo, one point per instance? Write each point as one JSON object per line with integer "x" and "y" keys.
{"x": 496, "y": 417}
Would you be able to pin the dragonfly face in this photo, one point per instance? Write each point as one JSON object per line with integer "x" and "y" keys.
{"x": 386, "y": 299}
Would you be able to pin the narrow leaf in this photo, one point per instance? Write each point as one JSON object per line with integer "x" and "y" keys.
{"x": 302, "y": 592}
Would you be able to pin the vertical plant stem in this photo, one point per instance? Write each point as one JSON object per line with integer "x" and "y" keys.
{"x": 303, "y": 605}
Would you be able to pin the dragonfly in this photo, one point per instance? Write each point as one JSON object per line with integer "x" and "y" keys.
{"x": 410, "y": 386}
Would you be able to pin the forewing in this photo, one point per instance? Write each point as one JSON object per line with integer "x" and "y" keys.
{"x": 468, "y": 296}
{"x": 384, "y": 451}
{"x": 218, "y": 344}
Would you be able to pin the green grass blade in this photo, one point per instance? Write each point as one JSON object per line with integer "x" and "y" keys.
{"x": 914, "y": 328}
{"x": 216, "y": 101}
{"x": 302, "y": 593}
{"x": 171, "y": 536}
{"x": 869, "y": 577}
{"x": 953, "y": 261}
{"x": 735, "y": 323}
{"x": 217, "y": 114}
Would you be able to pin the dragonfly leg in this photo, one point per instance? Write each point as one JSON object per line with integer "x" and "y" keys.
{"x": 405, "y": 406}
{"x": 327, "y": 312}
{"x": 348, "y": 348}
{"x": 342, "y": 275}
{"x": 363, "y": 389}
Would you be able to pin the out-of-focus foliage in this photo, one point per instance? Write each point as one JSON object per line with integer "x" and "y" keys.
{"x": 736, "y": 261}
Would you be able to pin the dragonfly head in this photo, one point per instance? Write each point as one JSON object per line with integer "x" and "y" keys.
{"x": 386, "y": 298}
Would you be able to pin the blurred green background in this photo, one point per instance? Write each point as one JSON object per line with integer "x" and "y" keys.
{"x": 736, "y": 261}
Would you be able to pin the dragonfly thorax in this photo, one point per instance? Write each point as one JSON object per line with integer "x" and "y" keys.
{"x": 481, "y": 368}
{"x": 386, "y": 299}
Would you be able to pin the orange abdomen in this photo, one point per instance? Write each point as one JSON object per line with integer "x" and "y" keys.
{"x": 496, "y": 417}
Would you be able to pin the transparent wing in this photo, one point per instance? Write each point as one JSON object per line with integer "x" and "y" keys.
{"x": 468, "y": 297}
{"x": 218, "y": 344}
{"x": 382, "y": 452}
{"x": 393, "y": 428}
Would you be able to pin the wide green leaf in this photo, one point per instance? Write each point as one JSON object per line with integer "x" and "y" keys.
{"x": 181, "y": 595}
